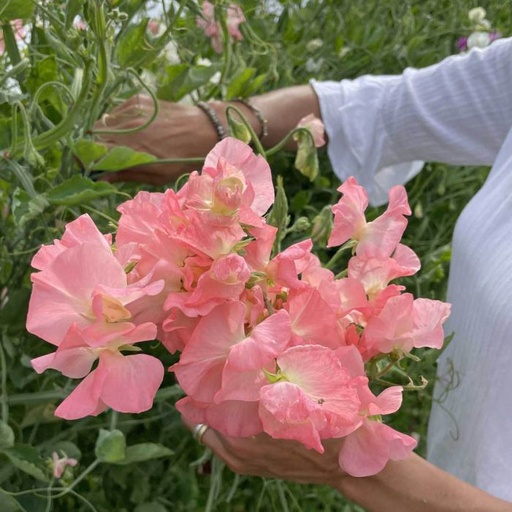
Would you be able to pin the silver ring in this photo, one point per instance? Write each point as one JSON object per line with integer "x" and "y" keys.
{"x": 199, "y": 431}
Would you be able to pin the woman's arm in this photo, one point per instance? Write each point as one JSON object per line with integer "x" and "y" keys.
{"x": 410, "y": 485}
{"x": 416, "y": 485}
{"x": 184, "y": 131}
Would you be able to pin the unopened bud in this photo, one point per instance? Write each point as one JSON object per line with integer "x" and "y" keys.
{"x": 306, "y": 160}
{"x": 322, "y": 226}
{"x": 239, "y": 130}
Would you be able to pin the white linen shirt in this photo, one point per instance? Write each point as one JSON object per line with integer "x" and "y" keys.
{"x": 459, "y": 112}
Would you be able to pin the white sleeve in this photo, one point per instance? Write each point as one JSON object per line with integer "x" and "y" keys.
{"x": 382, "y": 128}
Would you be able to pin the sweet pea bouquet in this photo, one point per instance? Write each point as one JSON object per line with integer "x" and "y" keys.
{"x": 269, "y": 341}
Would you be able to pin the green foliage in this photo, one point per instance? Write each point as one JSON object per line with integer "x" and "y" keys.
{"x": 53, "y": 93}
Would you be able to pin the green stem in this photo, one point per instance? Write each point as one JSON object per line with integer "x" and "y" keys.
{"x": 82, "y": 475}
{"x": 163, "y": 394}
{"x": 156, "y": 108}
{"x": 5, "y": 397}
{"x": 114, "y": 416}
{"x": 103, "y": 65}
{"x": 254, "y": 138}
{"x": 281, "y": 144}
{"x": 14, "y": 71}
{"x": 11, "y": 45}
{"x": 337, "y": 256}
{"x": 47, "y": 138}
{"x": 29, "y": 151}
{"x": 40, "y": 396}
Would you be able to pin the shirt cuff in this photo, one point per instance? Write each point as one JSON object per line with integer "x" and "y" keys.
{"x": 358, "y": 143}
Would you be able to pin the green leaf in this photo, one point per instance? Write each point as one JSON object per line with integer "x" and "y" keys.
{"x": 133, "y": 48}
{"x": 14, "y": 9}
{"x": 65, "y": 447}
{"x": 122, "y": 157}
{"x": 14, "y": 313}
{"x": 26, "y": 458}
{"x": 240, "y": 82}
{"x": 6, "y": 436}
{"x": 151, "y": 506}
{"x": 24, "y": 208}
{"x": 144, "y": 451}
{"x": 110, "y": 446}
{"x": 8, "y": 503}
{"x": 88, "y": 152}
{"x": 183, "y": 79}
{"x": 79, "y": 190}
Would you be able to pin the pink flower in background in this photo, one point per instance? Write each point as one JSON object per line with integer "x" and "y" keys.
{"x": 316, "y": 127}
{"x": 19, "y": 32}
{"x": 235, "y": 17}
{"x": 213, "y": 29}
{"x": 59, "y": 464}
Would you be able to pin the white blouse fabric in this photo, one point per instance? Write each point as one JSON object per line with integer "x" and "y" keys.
{"x": 460, "y": 112}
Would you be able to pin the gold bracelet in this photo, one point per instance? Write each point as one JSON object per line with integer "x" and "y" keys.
{"x": 214, "y": 118}
{"x": 258, "y": 113}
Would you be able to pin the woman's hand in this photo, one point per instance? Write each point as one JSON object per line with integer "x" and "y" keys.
{"x": 264, "y": 456}
{"x": 178, "y": 131}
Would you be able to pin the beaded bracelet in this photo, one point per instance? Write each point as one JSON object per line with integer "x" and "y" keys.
{"x": 258, "y": 113}
{"x": 214, "y": 118}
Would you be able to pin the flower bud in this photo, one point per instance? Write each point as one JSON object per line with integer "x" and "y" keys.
{"x": 322, "y": 226}
{"x": 239, "y": 130}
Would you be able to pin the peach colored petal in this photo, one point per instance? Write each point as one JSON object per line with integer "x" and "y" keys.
{"x": 130, "y": 382}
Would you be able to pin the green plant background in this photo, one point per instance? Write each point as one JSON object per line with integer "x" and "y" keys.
{"x": 52, "y": 92}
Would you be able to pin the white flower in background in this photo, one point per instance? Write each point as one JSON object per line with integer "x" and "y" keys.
{"x": 344, "y": 51}
{"x": 203, "y": 62}
{"x": 478, "y": 40}
{"x": 477, "y": 15}
{"x": 314, "y": 44}
{"x": 314, "y": 65}
{"x": 171, "y": 53}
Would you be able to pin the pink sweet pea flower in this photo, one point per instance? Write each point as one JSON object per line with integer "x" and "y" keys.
{"x": 210, "y": 364}
{"x": 316, "y": 127}
{"x": 368, "y": 449}
{"x": 376, "y": 273}
{"x": 235, "y": 179}
{"x": 311, "y": 397}
{"x": 313, "y": 322}
{"x": 233, "y": 418}
{"x": 86, "y": 285}
{"x": 378, "y": 238}
{"x": 77, "y": 232}
{"x": 59, "y": 464}
{"x": 124, "y": 383}
{"x": 213, "y": 29}
{"x": 405, "y": 323}
{"x": 224, "y": 280}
